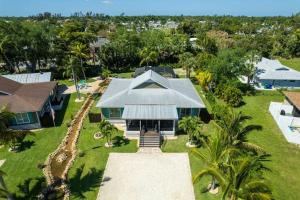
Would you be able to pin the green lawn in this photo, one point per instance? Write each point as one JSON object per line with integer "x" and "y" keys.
{"x": 87, "y": 171}
{"x": 292, "y": 63}
{"x": 68, "y": 82}
{"x": 285, "y": 157}
{"x": 123, "y": 75}
{"x": 21, "y": 168}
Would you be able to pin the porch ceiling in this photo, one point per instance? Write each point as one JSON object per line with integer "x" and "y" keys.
{"x": 150, "y": 112}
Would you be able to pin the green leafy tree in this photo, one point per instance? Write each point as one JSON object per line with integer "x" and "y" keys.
{"x": 108, "y": 130}
{"x": 252, "y": 58}
{"x": 187, "y": 62}
{"x": 192, "y": 126}
{"x": 148, "y": 57}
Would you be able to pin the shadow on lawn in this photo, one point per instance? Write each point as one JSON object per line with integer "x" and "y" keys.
{"x": 59, "y": 115}
{"x": 27, "y": 144}
{"x": 79, "y": 184}
{"x": 30, "y": 188}
{"x": 120, "y": 140}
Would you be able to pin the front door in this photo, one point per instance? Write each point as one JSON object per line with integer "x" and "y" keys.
{"x": 149, "y": 125}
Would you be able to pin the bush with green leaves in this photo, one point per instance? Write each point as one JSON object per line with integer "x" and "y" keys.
{"x": 230, "y": 94}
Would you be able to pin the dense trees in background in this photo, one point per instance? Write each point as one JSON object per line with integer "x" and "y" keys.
{"x": 38, "y": 42}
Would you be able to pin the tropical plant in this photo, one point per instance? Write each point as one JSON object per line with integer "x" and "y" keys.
{"x": 214, "y": 155}
{"x": 252, "y": 58}
{"x": 240, "y": 178}
{"x": 79, "y": 50}
{"x": 192, "y": 126}
{"x": 187, "y": 62}
{"x": 148, "y": 57}
{"x": 107, "y": 130}
{"x": 204, "y": 78}
{"x": 234, "y": 129}
{"x": 72, "y": 69}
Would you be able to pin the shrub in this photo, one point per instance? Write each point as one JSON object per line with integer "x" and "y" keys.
{"x": 232, "y": 96}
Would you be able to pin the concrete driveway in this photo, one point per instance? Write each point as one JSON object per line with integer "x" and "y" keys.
{"x": 147, "y": 176}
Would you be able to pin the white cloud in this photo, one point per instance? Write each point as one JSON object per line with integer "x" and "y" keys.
{"x": 106, "y": 1}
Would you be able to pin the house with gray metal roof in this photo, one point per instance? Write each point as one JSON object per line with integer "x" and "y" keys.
{"x": 41, "y": 77}
{"x": 149, "y": 103}
{"x": 272, "y": 74}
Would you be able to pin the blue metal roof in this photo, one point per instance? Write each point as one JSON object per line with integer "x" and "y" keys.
{"x": 150, "y": 112}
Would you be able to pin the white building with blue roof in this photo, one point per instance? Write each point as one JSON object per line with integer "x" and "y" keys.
{"x": 150, "y": 103}
{"x": 271, "y": 74}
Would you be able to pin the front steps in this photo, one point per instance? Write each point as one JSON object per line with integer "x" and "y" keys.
{"x": 149, "y": 139}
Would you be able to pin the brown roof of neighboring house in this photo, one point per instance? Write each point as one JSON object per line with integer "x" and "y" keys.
{"x": 26, "y": 97}
{"x": 8, "y": 86}
{"x": 294, "y": 98}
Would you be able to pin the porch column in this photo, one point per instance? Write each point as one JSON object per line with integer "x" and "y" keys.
{"x": 38, "y": 118}
{"x": 174, "y": 125}
{"x": 140, "y": 125}
{"x": 158, "y": 125}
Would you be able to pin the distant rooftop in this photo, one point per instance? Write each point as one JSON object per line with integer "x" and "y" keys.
{"x": 30, "y": 77}
{"x": 274, "y": 70}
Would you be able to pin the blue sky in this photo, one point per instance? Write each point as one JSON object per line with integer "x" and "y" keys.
{"x": 154, "y": 7}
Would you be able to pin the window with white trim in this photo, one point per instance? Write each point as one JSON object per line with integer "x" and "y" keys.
{"x": 22, "y": 118}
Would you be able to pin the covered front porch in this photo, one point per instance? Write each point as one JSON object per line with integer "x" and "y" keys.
{"x": 150, "y": 118}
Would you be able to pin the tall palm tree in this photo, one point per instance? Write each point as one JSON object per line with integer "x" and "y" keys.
{"x": 252, "y": 58}
{"x": 192, "y": 126}
{"x": 148, "y": 57}
{"x": 187, "y": 62}
{"x": 214, "y": 155}
{"x": 72, "y": 70}
{"x": 241, "y": 178}
{"x": 233, "y": 126}
{"x": 79, "y": 50}
{"x": 4, "y": 193}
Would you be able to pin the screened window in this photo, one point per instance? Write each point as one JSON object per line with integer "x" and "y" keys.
{"x": 185, "y": 112}
{"x": 133, "y": 125}
{"x": 22, "y": 118}
{"x": 114, "y": 112}
{"x": 166, "y": 125}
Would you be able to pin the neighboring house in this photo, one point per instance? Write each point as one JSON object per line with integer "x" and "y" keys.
{"x": 149, "y": 103}
{"x": 272, "y": 74}
{"x": 29, "y": 101}
{"x": 30, "y": 77}
{"x": 166, "y": 72}
{"x": 287, "y": 116}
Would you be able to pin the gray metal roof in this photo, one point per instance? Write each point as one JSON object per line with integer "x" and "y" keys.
{"x": 274, "y": 70}
{"x": 30, "y": 78}
{"x": 150, "y": 76}
{"x": 178, "y": 92}
{"x": 150, "y": 112}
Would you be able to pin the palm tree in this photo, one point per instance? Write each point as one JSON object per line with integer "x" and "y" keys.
{"x": 9, "y": 136}
{"x": 3, "y": 189}
{"x": 72, "y": 70}
{"x": 241, "y": 178}
{"x": 235, "y": 131}
{"x": 252, "y": 58}
{"x": 214, "y": 154}
{"x": 192, "y": 126}
{"x": 148, "y": 57}
{"x": 79, "y": 51}
{"x": 107, "y": 130}
{"x": 187, "y": 62}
